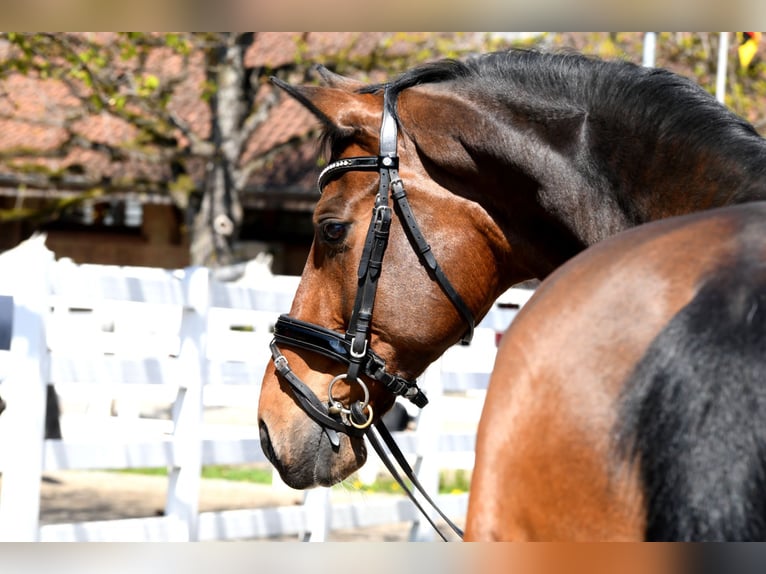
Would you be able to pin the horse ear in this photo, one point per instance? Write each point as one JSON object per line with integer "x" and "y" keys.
{"x": 337, "y": 108}
{"x": 333, "y": 80}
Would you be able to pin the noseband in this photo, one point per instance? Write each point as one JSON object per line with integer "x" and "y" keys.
{"x": 353, "y": 347}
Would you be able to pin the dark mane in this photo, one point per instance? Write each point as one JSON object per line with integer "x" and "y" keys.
{"x": 613, "y": 93}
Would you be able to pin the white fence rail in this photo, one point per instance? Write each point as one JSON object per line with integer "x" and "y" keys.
{"x": 111, "y": 337}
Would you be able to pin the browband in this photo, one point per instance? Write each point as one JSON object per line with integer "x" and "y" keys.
{"x": 366, "y": 163}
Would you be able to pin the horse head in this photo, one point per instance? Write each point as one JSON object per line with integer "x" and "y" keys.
{"x": 387, "y": 279}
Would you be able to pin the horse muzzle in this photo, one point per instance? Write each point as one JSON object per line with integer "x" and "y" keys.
{"x": 310, "y": 459}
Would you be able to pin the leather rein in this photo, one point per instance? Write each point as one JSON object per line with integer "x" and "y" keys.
{"x": 353, "y": 347}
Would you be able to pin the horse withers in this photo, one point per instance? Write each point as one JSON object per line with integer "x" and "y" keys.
{"x": 628, "y": 399}
{"x": 447, "y": 186}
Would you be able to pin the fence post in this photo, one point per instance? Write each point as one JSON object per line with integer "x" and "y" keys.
{"x": 427, "y": 464}
{"x": 26, "y": 277}
{"x": 318, "y": 508}
{"x": 184, "y": 478}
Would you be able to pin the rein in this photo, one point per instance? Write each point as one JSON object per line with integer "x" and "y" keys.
{"x": 352, "y": 348}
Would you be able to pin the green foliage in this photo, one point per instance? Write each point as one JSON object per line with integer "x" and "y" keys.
{"x": 50, "y": 212}
{"x": 209, "y": 89}
{"x": 148, "y": 85}
{"x": 179, "y": 44}
{"x": 455, "y": 482}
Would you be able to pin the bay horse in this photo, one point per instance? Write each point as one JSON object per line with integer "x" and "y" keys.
{"x": 628, "y": 398}
{"x": 450, "y": 184}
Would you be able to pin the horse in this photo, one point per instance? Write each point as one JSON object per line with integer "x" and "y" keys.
{"x": 628, "y": 398}
{"x": 448, "y": 185}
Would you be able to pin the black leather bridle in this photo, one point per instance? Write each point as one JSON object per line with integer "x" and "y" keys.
{"x": 353, "y": 347}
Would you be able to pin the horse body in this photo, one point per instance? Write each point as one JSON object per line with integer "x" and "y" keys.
{"x": 512, "y": 163}
{"x": 582, "y": 429}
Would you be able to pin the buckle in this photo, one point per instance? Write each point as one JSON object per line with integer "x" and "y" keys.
{"x": 281, "y": 364}
{"x": 382, "y": 218}
{"x": 354, "y": 354}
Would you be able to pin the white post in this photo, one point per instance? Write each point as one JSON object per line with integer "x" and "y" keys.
{"x": 26, "y": 278}
{"x": 723, "y": 58}
{"x": 318, "y": 509}
{"x": 184, "y": 478}
{"x": 650, "y": 49}
{"x": 427, "y": 465}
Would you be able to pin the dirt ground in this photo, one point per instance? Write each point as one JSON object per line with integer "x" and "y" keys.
{"x": 77, "y": 496}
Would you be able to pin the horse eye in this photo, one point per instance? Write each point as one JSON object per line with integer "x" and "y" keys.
{"x": 334, "y": 232}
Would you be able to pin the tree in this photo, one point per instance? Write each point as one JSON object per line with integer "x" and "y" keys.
{"x": 145, "y": 90}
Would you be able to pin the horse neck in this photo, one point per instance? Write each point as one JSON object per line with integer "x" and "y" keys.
{"x": 606, "y": 170}
{"x": 663, "y": 147}
{"x": 557, "y": 177}
{"x": 652, "y": 178}
{"x": 530, "y": 188}
{"x": 586, "y": 192}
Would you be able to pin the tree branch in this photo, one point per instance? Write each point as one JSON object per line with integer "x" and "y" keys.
{"x": 257, "y": 117}
{"x": 197, "y": 145}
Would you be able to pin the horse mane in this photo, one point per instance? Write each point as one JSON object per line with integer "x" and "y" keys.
{"x": 692, "y": 413}
{"x": 651, "y": 101}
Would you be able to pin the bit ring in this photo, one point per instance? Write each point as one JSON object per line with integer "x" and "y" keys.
{"x": 338, "y": 405}
{"x": 366, "y": 423}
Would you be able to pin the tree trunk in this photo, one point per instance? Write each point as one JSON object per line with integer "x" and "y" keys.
{"x": 217, "y": 222}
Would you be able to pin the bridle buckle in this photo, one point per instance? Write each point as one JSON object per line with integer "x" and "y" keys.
{"x": 280, "y": 363}
{"x": 358, "y": 355}
{"x": 382, "y": 217}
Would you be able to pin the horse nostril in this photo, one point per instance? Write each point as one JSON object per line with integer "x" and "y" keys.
{"x": 266, "y": 445}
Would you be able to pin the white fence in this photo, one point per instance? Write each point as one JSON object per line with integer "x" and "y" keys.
{"x": 107, "y": 335}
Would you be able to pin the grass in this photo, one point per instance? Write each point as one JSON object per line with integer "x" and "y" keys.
{"x": 241, "y": 473}
{"x": 450, "y": 482}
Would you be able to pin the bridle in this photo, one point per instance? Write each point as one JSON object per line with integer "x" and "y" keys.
{"x": 353, "y": 348}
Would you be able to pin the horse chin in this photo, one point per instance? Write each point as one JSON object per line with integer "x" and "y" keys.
{"x": 307, "y": 458}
